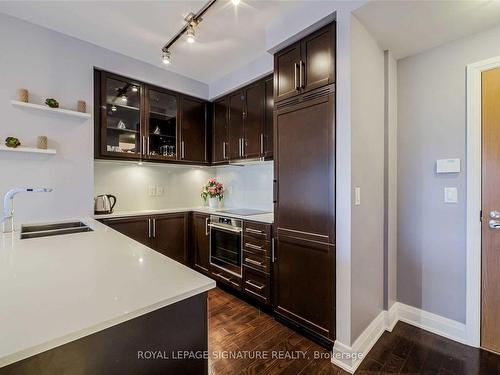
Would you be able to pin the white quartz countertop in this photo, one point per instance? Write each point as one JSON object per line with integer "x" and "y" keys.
{"x": 54, "y": 290}
{"x": 267, "y": 218}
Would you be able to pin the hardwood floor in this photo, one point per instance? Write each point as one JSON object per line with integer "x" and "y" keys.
{"x": 239, "y": 329}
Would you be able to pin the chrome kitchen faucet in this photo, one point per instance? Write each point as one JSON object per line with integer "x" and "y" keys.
{"x": 8, "y": 205}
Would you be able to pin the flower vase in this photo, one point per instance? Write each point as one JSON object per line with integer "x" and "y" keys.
{"x": 213, "y": 202}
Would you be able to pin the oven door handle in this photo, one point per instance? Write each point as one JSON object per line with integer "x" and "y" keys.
{"x": 236, "y": 230}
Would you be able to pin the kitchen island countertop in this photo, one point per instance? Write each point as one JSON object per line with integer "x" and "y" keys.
{"x": 54, "y": 290}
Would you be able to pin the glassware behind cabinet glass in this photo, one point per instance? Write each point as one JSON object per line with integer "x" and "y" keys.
{"x": 162, "y": 123}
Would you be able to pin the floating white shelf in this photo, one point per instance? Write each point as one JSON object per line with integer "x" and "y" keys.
{"x": 31, "y": 150}
{"x": 45, "y": 108}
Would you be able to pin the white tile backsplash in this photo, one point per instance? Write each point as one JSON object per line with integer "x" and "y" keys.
{"x": 159, "y": 186}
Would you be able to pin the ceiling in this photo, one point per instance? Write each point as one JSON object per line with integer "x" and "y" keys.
{"x": 228, "y": 38}
{"x": 409, "y": 27}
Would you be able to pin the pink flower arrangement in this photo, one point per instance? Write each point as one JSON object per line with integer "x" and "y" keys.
{"x": 213, "y": 189}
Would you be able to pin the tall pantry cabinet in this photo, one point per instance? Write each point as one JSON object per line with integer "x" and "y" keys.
{"x": 304, "y": 154}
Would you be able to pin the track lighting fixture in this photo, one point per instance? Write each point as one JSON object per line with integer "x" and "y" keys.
{"x": 124, "y": 98}
{"x": 113, "y": 108}
{"x": 190, "y": 34}
{"x": 192, "y": 20}
{"x": 166, "y": 56}
{"x": 135, "y": 88}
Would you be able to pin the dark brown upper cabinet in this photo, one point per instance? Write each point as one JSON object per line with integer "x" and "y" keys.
{"x": 139, "y": 121}
{"x": 268, "y": 122}
{"x": 193, "y": 134}
{"x": 253, "y": 116}
{"x": 119, "y": 115}
{"x": 306, "y": 65}
{"x": 160, "y": 139}
{"x": 220, "y": 135}
{"x": 249, "y": 121}
{"x": 236, "y": 126}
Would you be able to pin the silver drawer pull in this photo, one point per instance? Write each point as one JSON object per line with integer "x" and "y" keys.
{"x": 251, "y": 261}
{"x": 252, "y": 292}
{"x": 250, "y": 230}
{"x": 252, "y": 246}
{"x": 260, "y": 287}
{"x": 224, "y": 278}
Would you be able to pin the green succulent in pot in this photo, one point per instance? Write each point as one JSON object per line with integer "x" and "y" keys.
{"x": 12, "y": 142}
{"x": 52, "y": 103}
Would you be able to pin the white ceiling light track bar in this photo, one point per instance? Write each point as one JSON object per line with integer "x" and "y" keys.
{"x": 192, "y": 20}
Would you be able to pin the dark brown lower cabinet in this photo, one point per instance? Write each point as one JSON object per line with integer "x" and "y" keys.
{"x": 200, "y": 242}
{"x": 304, "y": 279}
{"x": 122, "y": 349}
{"x": 170, "y": 236}
{"x": 166, "y": 234}
{"x": 137, "y": 228}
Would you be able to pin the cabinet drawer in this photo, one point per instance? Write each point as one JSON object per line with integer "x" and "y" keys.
{"x": 225, "y": 277}
{"x": 257, "y": 230}
{"x": 256, "y": 245}
{"x": 257, "y": 261}
{"x": 256, "y": 284}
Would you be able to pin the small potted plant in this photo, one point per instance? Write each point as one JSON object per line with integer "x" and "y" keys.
{"x": 213, "y": 191}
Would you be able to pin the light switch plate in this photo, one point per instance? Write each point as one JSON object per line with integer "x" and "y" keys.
{"x": 450, "y": 195}
{"x": 448, "y": 166}
{"x": 357, "y": 196}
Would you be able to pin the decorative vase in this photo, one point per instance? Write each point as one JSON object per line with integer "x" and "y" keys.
{"x": 213, "y": 202}
{"x": 41, "y": 142}
{"x": 22, "y": 95}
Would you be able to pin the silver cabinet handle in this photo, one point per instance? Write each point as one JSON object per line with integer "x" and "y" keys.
{"x": 183, "y": 150}
{"x": 154, "y": 228}
{"x": 495, "y": 214}
{"x": 224, "y": 150}
{"x": 206, "y": 225}
{"x": 260, "y": 287}
{"x": 252, "y": 292}
{"x": 295, "y": 67}
{"x": 250, "y": 230}
{"x": 252, "y": 246}
{"x": 494, "y": 224}
{"x": 236, "y": 230}
{"x": 142, "y": 144}
{"x": 272, "y": 250}
{"x": 149, "y": 228}
{"x": 147, "y": 143}
{"x": 262, "y": 143}
{"x": 239, "y": 147}
{"x": 251, "y": 261}
{"x": 302, "y": 75}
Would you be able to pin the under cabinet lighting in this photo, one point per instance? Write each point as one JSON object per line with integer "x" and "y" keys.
{"x": 190, "y": 34}
{"x": 235, "y": 2}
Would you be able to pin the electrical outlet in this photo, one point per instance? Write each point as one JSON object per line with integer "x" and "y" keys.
{"x": 151, "y": 190}
{"x": 159, "y": 190}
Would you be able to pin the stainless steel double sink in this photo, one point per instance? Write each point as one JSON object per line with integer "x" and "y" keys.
{"x": 54, "y": 229}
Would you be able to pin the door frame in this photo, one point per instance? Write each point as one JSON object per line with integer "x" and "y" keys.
{"x": 474, "y": 177}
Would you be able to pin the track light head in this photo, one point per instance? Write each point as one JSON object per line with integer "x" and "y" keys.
{"x": 190, "y": 34}
{"x": 166, "y": 57}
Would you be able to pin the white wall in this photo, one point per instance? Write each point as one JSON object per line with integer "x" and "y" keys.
{"x": 391, "y": 180}
{"x": 367, "y": 242}
{"x": 431, "y": 125}
{"x": 50, "y": 64}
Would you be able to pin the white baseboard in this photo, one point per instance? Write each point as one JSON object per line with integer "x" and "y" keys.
{"x": 350, "y": 357}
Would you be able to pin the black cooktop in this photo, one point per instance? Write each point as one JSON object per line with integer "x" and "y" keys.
{"x": 244, "y": 212}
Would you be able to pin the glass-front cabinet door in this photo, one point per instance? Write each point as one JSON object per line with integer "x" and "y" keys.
{"x": 161, "y": 124}
{"x": 121, "y": 117}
